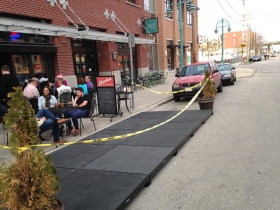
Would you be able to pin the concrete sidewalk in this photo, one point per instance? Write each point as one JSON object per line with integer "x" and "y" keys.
{"x": 145, "y": 100}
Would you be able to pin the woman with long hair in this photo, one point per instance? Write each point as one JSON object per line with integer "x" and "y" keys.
{"x": 46, "y": 100}
{"x": 82, "y": 84}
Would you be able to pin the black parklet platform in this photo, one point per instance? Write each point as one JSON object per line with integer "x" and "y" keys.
{"x": 107, "y": 175}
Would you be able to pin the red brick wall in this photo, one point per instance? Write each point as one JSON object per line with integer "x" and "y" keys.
{"x": 92, "y": 14}
{"x": 105, "y": 58}
{"x": 228, "y": 39}
{"x": 63, "y": 61}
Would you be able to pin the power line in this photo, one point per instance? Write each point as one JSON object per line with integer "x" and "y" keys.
{"x": 233, "y": 8}
{"x": 211, "y": 6}
{"x": 227, "y": 13}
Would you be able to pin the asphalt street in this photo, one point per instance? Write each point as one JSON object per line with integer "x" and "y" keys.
{"x": 233, "y": 160}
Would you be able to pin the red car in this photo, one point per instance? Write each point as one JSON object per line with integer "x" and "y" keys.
{"x": 192, "y": 75}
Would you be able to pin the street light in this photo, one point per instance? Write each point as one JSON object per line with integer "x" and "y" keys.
{"x": 191, "y": 9}
{"x": 221, "y": 24}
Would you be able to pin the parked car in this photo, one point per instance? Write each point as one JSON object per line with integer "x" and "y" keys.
{"x": 228, "y": 73}
{"x": 192, "y": 75}
{"x": 257, "y": 58}
{"x": 273, "y": 55}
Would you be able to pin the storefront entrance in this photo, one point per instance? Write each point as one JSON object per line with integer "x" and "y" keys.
{"x": 85, "y": 59}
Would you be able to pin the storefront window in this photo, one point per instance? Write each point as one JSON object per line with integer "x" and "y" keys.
{"x": 16, "y": 37}
{"x": 170, "y": 54}
{"x": 80, "y": 63}
{"x": 38, "y": 38}
{"x": 38, "y": 65}
{"x": 124, "y": 63}
{"x": 20, "y": 64}
{"x": 2, "y": 36}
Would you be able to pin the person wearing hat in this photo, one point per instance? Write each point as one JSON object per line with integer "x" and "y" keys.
{"x": 31, "y": 91}
{"x": 61, "y": 78}
{"x": 7, "y": 83}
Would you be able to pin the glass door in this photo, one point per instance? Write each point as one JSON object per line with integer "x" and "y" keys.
{"x": 86, "y": 65}
{"x": 80, "y": 63}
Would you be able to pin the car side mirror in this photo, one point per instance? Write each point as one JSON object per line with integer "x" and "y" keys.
{"x": 177, "y": 75}
{"x": 233, "y": 67}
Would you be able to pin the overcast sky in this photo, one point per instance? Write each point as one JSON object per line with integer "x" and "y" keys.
{"x": 263, "y": 16}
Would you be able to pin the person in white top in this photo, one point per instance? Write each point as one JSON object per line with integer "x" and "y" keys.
{"x": 62, "y": 89}
{"x": 31, "y": 91}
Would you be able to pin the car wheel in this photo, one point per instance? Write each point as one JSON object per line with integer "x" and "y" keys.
{"x": 232, "y": 82}
{"x": 176, "y": 98}
{"x": 234, "y": 78}
{"x": 220, "y": 88}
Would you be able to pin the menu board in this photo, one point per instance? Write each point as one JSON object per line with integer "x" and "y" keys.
{"x": 106, "y": 100}
{"x": 106, "y": 94}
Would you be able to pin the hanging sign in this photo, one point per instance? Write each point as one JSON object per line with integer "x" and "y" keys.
{"x": 151, "y": 26}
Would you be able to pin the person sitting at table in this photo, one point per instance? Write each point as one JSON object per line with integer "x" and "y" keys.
{"x": 46, "y": 100}
{"x": 60, "y": 78}
{"x": 31, "y": 91}
{"x": 82, "y": 84}
{"x": 46, "y": 119}
{"x": 83, "y": 102}
{"x": 62, "y": 89}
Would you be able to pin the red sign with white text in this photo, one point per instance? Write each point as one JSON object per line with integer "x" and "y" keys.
{"x": 105, "y": 81}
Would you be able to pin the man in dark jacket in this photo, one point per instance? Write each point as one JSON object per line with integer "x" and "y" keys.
{"x": 7, "y": 83}
{"x": 3, "y": 111}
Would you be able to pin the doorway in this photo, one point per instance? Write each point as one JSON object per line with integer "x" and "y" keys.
{"x": 86, "y": 65}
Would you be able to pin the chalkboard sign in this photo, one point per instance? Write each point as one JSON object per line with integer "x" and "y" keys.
{"x": 107, "y": 101}
{"x": 106, "y": 94}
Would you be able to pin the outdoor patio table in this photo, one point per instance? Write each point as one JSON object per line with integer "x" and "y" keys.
{"x": 123, "y": 96}
{"x": 61, "y": 110}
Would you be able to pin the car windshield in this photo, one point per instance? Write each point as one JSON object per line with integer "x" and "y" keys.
{"x": 256, "y": 56}
{"x": 194, "y": 70}
{"x": 223, "y": 67}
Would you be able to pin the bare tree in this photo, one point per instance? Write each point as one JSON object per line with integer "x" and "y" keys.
{"x": 257, "y": 42}
{"x": 209, "y": 47}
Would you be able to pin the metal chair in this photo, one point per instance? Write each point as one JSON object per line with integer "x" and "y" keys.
{"x": 65, "y": 98}
{"x": 90, "y": 115}
{"x": 5, "y": 132}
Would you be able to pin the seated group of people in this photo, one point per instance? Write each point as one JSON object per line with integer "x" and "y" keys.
{"x": 48, "y": 119}
{"x": 49, "y": 98}
{"x": 47, "y": 95}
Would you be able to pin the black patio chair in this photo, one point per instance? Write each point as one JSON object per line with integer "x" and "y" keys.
{"x": 66, "y": 98}
{"x": 90, "y": 115}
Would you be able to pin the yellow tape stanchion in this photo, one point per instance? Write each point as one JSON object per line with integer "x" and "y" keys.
{"x": 113, "y": 137}
{"x": 158, "y": 92}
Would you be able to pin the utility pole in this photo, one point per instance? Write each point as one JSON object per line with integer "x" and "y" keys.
{"x": 194, "y": 36}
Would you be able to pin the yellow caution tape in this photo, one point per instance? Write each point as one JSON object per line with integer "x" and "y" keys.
{"x": 158, "y": 92}
{"x": 113, "y": 137}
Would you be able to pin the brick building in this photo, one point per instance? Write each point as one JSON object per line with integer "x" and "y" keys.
{"x": 168, "y": 38}
{"x": 39, "y": 38}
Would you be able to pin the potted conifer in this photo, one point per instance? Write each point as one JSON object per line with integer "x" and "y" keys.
{"x": 208, "y": 93}
{"x": 29, "y": 182}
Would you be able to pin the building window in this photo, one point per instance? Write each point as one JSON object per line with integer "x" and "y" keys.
{"x": 38, "y": 65}
{"x": 189, "y": 18}
{"x": 38, "y": 38}
{"x": 20, "y": 64}
{"x": 168, "y": 4}
{"x": 149, "y": 5}
{"x": 80, "y": 63}
{"x": 16, "y": 37}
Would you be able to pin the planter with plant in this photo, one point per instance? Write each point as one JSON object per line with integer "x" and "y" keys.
{"x": 208, "y": 93}
{"x": 29, "y": 182}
